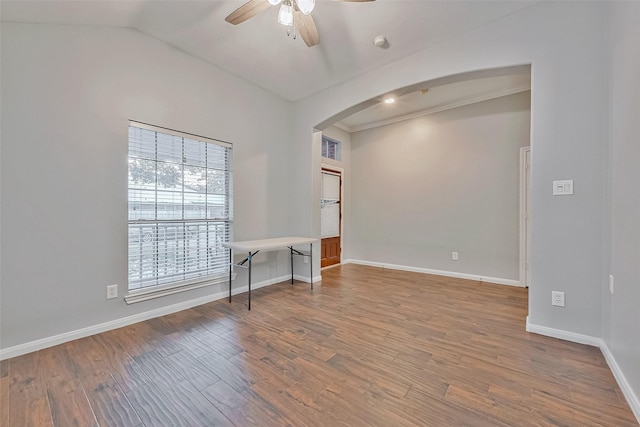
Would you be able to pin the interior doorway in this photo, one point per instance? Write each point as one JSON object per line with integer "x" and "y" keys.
{"x": 331, "y": 217}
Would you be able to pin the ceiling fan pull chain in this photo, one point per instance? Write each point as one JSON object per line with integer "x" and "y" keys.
{"x": 293, "y": 21}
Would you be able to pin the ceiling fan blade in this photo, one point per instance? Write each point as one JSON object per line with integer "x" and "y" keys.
{"x": 307, "y": 28}
{"x": 246, "y": 11}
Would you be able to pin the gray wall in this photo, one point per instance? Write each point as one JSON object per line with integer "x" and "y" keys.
{"x": 566, "y": 44}
{"x": 445, "y": 182}
{"x": 570, "y": 48}
{"x": 621, "y": 315}
{"x": 67, "y": 95}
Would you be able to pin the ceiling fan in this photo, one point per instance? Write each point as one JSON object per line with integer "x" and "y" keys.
{"x": 295, "y": 14}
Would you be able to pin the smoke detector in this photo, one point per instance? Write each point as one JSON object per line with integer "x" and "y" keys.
{"x": 380, "y": 41}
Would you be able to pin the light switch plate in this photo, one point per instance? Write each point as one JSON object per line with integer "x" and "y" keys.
{"x": 611, "y": 284}
{"x": 563, "y": 187}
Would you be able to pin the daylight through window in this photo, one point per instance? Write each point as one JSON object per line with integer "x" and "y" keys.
{"x": 331, "y": 148}
{"x": 180, "y": 207}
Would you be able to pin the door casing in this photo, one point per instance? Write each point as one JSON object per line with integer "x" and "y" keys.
{"x": 330, "y": 241}
{"x": 525, "y": 216}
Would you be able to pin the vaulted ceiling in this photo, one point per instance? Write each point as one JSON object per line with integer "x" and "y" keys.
{"x": 260, "y": 51}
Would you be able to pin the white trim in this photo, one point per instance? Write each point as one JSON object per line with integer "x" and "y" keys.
{"x": 496, "y": 280}
{"x": 524, "y": 173}
{"x": 43, "y": 343}
{"x": 47, "y": 342}
{"x": 146, "y": 294}
{"x": 627, "y": 391}
{"x": 316, "y": 279}
{"x": 563, "y": 335}
{"x": 632, "y": 399}
{"x": 342, "y": 126}
{"x": 339, "y": 170}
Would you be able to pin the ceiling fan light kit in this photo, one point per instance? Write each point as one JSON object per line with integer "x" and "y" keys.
{"x": 285, "y": 15}
{"x": 306, "y": 6}
{"x": 292, "y": 13}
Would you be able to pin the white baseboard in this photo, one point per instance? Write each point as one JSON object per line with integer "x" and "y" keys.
{"x": 316, "y": 279}
{"x": 563, "y": 335}
{"x": 18, "y": 350}
{"x": 632, "y": 398}
{"x": 475, "y": 277}
{"x": 629, "y": 394}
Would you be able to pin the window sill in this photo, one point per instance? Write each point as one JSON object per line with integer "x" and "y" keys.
{"x": 148, "y": 294}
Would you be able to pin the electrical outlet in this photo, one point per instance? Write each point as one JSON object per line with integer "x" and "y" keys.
{"x": 112, "y": 291}
{"x": 306, "y": 259}
{"x": 557, "y": 298}
{"x": 611, "y": 284}
{"x": 454, "y": 256}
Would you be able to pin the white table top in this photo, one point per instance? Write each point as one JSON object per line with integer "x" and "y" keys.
{"x": 268, "y": 244}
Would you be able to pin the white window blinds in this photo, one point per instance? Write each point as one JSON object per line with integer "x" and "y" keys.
{"x": 330, "y": 205}
{"x": 180, "y": 207}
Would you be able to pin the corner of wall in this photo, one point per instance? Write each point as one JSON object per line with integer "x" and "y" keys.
{"x": 632, "y": 399}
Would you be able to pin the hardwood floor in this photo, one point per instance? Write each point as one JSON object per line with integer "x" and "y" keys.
{"x": 369, "y": 347}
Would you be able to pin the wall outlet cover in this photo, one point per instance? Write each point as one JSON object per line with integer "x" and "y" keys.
{"x": 557, "y": 298}
{"x": 112, "y": 291}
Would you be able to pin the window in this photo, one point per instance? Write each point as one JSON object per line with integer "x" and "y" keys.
{"x": 180, "y": 208}
{"x": 331, "y": 148}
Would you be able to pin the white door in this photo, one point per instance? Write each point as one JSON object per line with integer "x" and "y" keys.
{"x": 330, "y": 216}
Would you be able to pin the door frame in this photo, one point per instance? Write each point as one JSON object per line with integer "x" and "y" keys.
{"x": 340, "y": 171}
{"x": 525, "y": 216}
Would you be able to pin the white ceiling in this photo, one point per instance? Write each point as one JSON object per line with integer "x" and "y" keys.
{"x": 438, "y": 97}
{"x": 260, "y": 51}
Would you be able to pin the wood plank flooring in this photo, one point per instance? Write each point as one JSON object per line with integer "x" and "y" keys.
{"x": 368, "y": 347}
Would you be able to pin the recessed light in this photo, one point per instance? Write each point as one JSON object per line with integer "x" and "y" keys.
{"x": 389, "y": 101}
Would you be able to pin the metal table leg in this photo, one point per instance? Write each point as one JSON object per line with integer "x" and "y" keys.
{"x": 311, "y": 263}
{"x": 291, "y": 252}
{"x": 250, "y": 256}
{"x": 230, "y": 270}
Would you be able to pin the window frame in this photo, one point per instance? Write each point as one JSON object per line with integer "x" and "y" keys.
{"x": 183, "y": 284}
{"x": 337, "y": 151}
